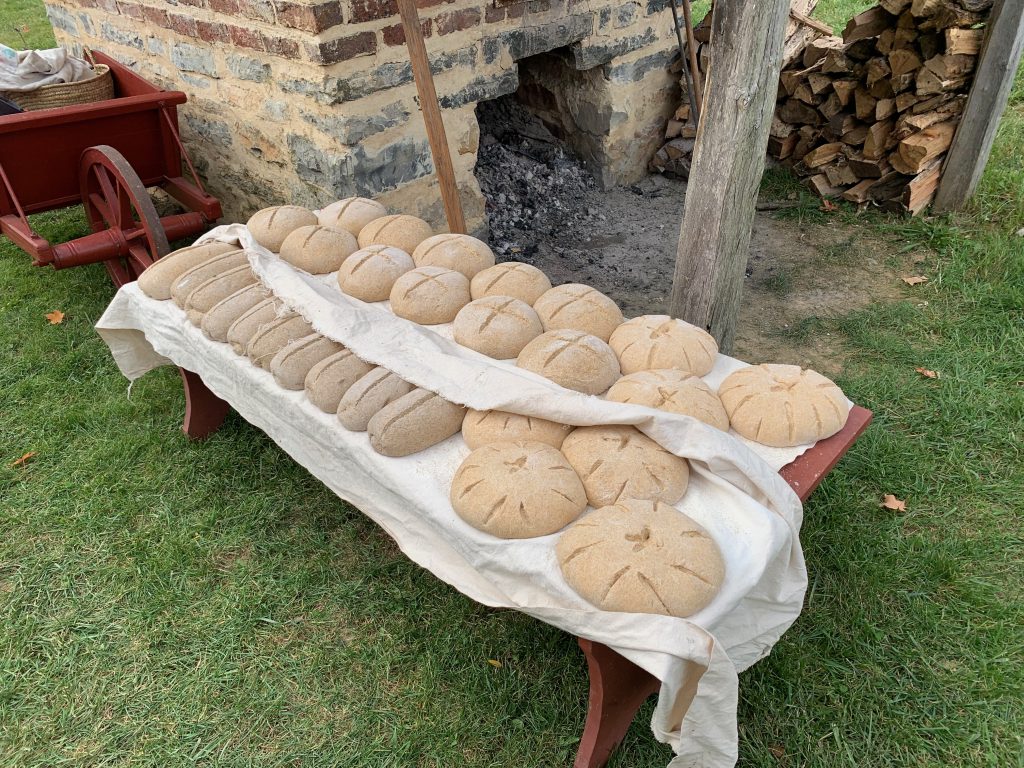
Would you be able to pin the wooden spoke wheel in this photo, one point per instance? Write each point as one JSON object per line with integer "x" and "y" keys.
{"x": 115, "y": 199}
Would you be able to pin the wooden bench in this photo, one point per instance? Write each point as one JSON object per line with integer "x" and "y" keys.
{"x": 618, "y": 687}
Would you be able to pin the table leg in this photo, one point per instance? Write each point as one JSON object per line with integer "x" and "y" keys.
{"x": 204, "y": 411}
{"x": 617, "y": 689}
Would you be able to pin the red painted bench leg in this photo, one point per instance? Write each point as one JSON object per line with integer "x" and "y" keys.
{"x": 204, "y": 411}
{"x": 617, "y": 689}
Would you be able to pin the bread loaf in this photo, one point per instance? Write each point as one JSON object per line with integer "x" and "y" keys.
{"x": 191, "y": 279}
{"x": 674, "y": 391}
{"x": 619, "y": 462}
{"x": 399, "y": 231}
{"x": 463, "y": 253}
{"x": 483, "y": 427}
{"x": 783, "y": 405}
{"x": 370, "y": 273}
{"x": 511, "y": 278}
{"x": 331, "y": 378}
{"x": 273, "y": 337}
{"x": 291, "y": 364}
{"x": 517, "y": 490}
{"x": 659, "y": 341}
{"x": 222, "y": 314}
{"x": 351, "y": 214}
{"x": 270, "y": 226}
{"x": 496, "y": 326}
{"x": 202, "y": 299}
{"x": 641, "y": 557}
{"x": 574, "y": 359}
{"x": 368, "y": 395}
{"x": 252, "y": 320}
{"x": 157, "y": 278}
{"x": 318, "y": 250}
{"x": 413, "y": 423}
{"x": 578, "y": 307}
{"x": 430, "y": 295}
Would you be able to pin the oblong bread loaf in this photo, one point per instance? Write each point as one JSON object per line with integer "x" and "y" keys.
{"x": 191, "y": 279}
{"x": 216, "y": 322}
{"x": 291, "y": 364}
{"x": 274, "y": 336}
{"x": 330, "y": 379}
{"x": 250, "y": 321}
{"x": 368, "y": 395}
{"x": 401, "y": 231}
{"x": 463, "y": 253}
{"x": 270, "y": 226}
{"x": 483, "y": 427}
{"x": 352, "y": 213}
{"x": 158, "y": 277}
{"x": 510, "y": 278}
{"x": 413, "y": 423}
{"x": 203, "y": 298}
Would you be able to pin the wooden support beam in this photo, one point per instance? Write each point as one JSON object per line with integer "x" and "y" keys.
{"x": 997, "y": 67}
{"x": 728, "y": 160}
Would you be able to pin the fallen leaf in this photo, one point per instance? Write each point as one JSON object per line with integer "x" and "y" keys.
{"x": 24, "y": 459}
{"x": 891, "y": 502}
{"x": 494, "y": 663}
{"x": 915, "y": 280}
{"x": 926, "y": 373}
{"x": 777, "y": 750}
{"x": 56, "y": 317}
{"x": 828, "y": 206}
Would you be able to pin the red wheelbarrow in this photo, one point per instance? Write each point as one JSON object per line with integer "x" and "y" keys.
{"x": 103, "y": 155}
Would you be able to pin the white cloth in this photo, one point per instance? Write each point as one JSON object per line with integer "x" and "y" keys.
{"x": 34, "y": 69}
{"x": 735, "y": 492}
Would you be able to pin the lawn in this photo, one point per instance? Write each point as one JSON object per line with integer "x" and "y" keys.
{"x": 167, "y": 603}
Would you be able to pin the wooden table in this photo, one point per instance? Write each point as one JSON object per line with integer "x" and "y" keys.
{"x": 618, "y": 687}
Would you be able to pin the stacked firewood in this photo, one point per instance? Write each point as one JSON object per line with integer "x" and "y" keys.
{"x": 870, "y": 115}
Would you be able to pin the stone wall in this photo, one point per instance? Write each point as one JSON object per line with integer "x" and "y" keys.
{"x": 307, "y": 102}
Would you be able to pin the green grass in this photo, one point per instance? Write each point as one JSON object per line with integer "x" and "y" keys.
{"x": 167, "y": 603}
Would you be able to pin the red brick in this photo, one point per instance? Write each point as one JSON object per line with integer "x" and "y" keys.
{"x": 344, "y": 48}
{"x": 194, "y": 3}
{"x": 156, "y": 16}
{"x": 395, "y": 34}
{"x": 309, "y": 18}
{"x": 493, "y": 14}
{"x": 516, "y": 10}
{"x": 229, "y": 7}
{"x": 455, "y": 21}
{"x": 246, "y": 38}
{"x": 131, "y": 10}
{"x": 369, "y": 10}
{"x": 183, "y": 25}
{"x": 281, "y": 46}
{"x": 213, "y": 32}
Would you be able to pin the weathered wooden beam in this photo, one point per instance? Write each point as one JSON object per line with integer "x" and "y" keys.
{"x": 714, "y": 240}
{"x": 993, "y": 79}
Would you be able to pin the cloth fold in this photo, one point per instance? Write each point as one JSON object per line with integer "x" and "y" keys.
{"x": 33, "y": 69}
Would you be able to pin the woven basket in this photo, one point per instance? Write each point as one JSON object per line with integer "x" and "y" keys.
{"x": 96, "y": 88}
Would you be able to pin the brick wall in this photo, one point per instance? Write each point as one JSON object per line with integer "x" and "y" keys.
{"x": 307, "y": 102}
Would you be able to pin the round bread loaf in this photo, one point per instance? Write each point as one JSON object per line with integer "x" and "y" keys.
{"x": 399, "y": 231}
{"x": 204, "y": 296}
{"x": 641, "y": 557}
{"x": 252, "y": 320}
{"x": 370, "y": 273}
{"x": 318, "y": 250}
{"x": 413, "y": 423}
{"x": 517, "y": 490}
{"x": 368, "y": 395}
{"x": 351, "y": 214}
{"x": 157, "y": 278}
{"x": 273, "y": 337}
{"x": 574, "y": 359}
{"x": 578, "y": 307}
{"x": 270, "y": 226}
{"x": 222, "y": 314}
{"x": 618, "y": 462}
{"x": 291, "y": 364}
{"x": 484, "y": 427}
{"x": 659, "y": 341}
{"x": 463, "y": 253}
{"x": 191, "y": 279}
{"x": 510, "y": 278}
{"x": 496, "y": 326}
{"x": 783, "y": 405}
{"x": 430, "y": 295}
{"x": 331, "y": 378}
{"x": 674, "y": 391}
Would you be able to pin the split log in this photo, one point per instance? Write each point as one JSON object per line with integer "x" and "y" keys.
{"x": 920, "y": 191}
{"x": 915, "y": 151}
{"x": 816, "y": 50}
{"x": 964, "y": 42}
{"x": 877, "y": 142}
{"x": 870, "y": 23}
{"x": 826, "y": 153}
{"x": 819, "y": 185}
{"x": 859, "y": 192}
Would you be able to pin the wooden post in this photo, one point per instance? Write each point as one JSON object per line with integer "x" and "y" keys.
{"x": 997, "y": 67}
{"x": 739, "y": 97}
{"x": 432, "y": 116}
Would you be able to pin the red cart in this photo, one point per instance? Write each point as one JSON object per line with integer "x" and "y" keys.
{"x": 103, "y": 155}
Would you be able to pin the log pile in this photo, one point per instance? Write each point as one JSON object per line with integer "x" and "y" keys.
{"x": 869, "y": 116}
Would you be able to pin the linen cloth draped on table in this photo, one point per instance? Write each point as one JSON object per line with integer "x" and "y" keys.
{"x": 735, "y": 492}
{"x": 34, "y": 69}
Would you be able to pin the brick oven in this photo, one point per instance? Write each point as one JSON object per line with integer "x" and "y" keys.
{"x": 306, "y": 102}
